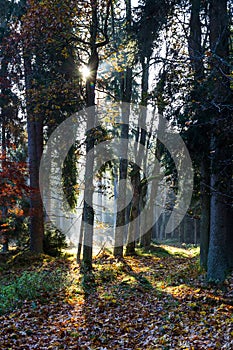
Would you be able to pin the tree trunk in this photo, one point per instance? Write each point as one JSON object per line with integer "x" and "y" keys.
{"x": 145, "y": 241}
{"x": 80, "y": 242}
{"x": 205, "y": 212}
{"x": 35, "y": 147}
{"x": 88, "y": 211}
{"x": 136, "y": 184}
{"x": 126, "y": 93}
{"x": 221, "y": 165}
{"x": 121, "y": 198}
{"x": 93, "y": 64}
{"x": 5, "y": 238}
{"x": 195, "y": 48}
{"x": 217, "y": 256}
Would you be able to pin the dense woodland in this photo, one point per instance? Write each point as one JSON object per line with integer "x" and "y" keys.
{"x": 174, "y": 58}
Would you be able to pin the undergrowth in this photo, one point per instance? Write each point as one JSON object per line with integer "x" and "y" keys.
{"x": 31, "y": 286}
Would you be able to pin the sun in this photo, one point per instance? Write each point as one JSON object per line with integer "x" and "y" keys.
{"x": 85, "y": 71}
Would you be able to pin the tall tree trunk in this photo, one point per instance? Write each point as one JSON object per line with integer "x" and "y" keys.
{"x": 194, "y": 43}
{"x": 35, "y": 147}
{"x": 5, "y": 238}
{"x": 147, "y": 236}
{"x": 93, "y": 64}
{"x": 126, "y": 93}
{"x": 138, "y": 190}
{"x": 4, "y": 92}
{"x": 221, "y": 165}
{"x": 217, "y": 265}
{"x": 195, "y": 53}
{"x": 205, "y": 212}
{"x": 121, "y": 197}
{"x": 136, "y": 184}
{"x": 88, "y": 212}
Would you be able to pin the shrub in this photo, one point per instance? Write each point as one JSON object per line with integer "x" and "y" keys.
{"x": 54, "y": 241}
{"x": 30, "y": 286}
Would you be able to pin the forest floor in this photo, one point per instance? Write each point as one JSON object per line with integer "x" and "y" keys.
{"x": 151, "y": 301}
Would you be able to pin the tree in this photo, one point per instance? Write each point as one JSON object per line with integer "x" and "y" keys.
{"x": 221, "y": 144}
{"x": 48, "y": 58}
{"x": 10, "y": 121}
{"x": 126, "y": 93}
{"x": 13, "y": 175}
{"x": 196, "y": 57}
{"x": 98, "y": 38}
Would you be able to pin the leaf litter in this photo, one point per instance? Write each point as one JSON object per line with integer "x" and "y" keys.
{"x": 144, "y": 302}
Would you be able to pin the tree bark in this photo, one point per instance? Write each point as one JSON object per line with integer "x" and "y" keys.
{"x": 136, "y": 184}
{"x": 195, "y": 48}
{"x": 217, "y": 264}
{"x": 221, "y": 163}
{"x": 88, "y": 211}
{"x": 126, "y": 93}
{"x": 196, "y": 58}
{"x": 35, "y": 147}
{"x": 121, "y": 198}
{"x": 205, "y": 212}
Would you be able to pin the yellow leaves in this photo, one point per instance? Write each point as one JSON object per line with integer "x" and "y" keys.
{"x": 65, "y": 53}
{"x": 203, "y": 313}
{"x": 196, "y": 291}
{"x": 117, "y": 315}
{"x": 119, "y": 68}
{"x": 50, "y": 40}
{"x": 192, "y": 305}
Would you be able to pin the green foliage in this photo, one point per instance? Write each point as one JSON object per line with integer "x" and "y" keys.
{"x": 69, "y": 177}
{"x": 54, "y": 241}
{"x": 30, "y": 286}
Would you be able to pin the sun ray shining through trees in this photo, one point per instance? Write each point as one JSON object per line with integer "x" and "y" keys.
{"x": 116, "y": 173}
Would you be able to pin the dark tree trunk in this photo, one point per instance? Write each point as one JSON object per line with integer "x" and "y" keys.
{"x": 217, "y": 265}
{"x": 88, "y": 211}
{"x": 196, "y": 57}
{"x": 121, "y": 199}
{"x": 195, "y": 48}
{"x": 126, "y": 94}
{"x": 87, "y": 226}
{"x": 136, "y": 184}
{"x": 35, "y": 147}
{"x": 80, "y": 243}
{"x": 5, "y": 238}
{"x": 93, "y": 64}
{"x": 205, "y": 212}
{"x": 146, "y": 238}
{"x": 221, "y": 164}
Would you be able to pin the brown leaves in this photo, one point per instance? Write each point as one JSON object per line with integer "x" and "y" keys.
{"x": 13, "y": 184}
{"x": 121, "y": 312}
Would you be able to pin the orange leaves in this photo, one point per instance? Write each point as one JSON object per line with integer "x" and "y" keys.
{"x": 13, "y": 176}
{"x": 117, "y": 315}
{"x": 45, "y": 20}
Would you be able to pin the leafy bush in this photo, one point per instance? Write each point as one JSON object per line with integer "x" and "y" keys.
{"x": 31, "y": 286}
{"x": 54, "y": 241}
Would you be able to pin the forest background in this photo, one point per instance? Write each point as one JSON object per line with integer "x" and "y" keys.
{"x": 173, "y": 57}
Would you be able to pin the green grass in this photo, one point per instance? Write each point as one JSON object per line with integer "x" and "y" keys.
{"x": 30, "y": 286}
{"x": 165, "y": 250}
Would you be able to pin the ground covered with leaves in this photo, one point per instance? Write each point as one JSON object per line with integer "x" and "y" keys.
{"x": 151, "y": 301}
